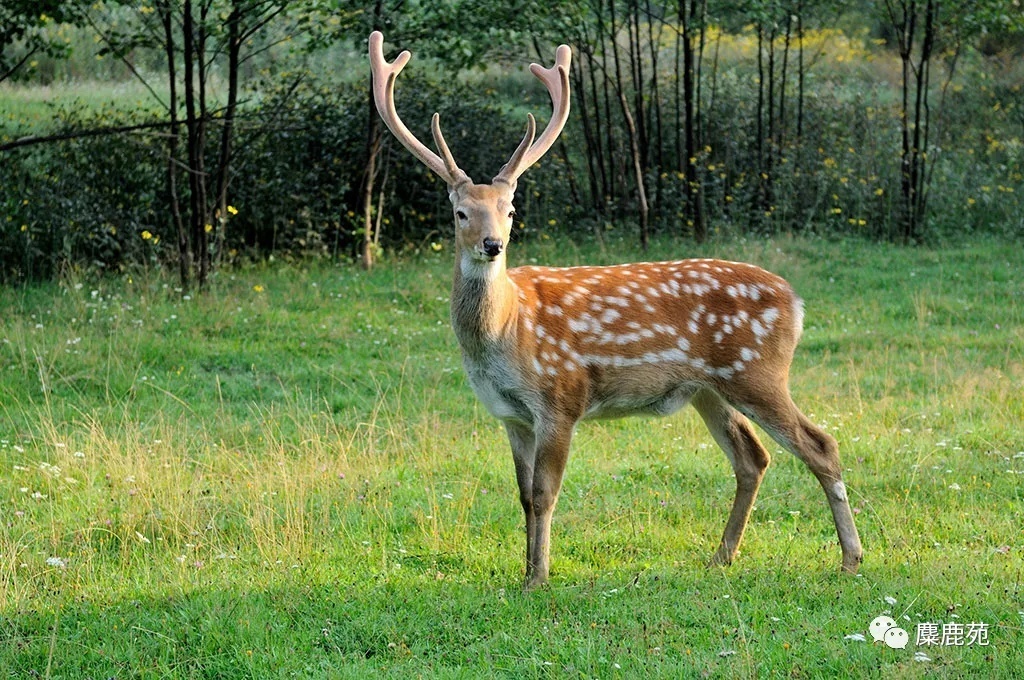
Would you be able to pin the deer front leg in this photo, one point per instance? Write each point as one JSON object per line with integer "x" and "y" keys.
{"x": 524, "y": 450}
{"x": 552, "y": 453}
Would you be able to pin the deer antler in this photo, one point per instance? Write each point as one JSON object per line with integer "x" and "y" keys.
{"x": 556, "y": 80}
{"x": 384, "y": 75}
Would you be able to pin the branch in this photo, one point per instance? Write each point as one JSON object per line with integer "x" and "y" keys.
{"x": 78, "y": 134}
{"x": 261, "y": 50}
{"x": 260, "y": 23}
{"x": 275, "y": 113}
{"x": 124, "y": 59}
{"x": 14, "y": 68}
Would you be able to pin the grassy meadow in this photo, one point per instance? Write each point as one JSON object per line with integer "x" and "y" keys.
{"x": 288, "y": 476}
{"x": 33, "y": 109}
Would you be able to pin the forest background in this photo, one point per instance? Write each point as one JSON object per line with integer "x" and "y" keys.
{"x": 190, "y": 134}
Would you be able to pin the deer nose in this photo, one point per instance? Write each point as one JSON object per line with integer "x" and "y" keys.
{"x": 493, "y": 247}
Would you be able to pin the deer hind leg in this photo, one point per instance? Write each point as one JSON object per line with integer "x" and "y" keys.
{"x": 780, "y": 417}
{"x": 749, "y": 459}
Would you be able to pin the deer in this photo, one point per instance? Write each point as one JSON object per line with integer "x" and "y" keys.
{"x": 545, "y": 348}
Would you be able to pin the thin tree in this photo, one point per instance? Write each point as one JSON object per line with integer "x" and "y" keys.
{"x": 691, "y": 14}
{"x": 915, "y": 25}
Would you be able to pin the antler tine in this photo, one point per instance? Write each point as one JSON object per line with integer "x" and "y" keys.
{"x": 556, "y": 80}
{"x": 517, "y": 157}
{"x": 442, "y": 146}
{"x": 384, "y": 76}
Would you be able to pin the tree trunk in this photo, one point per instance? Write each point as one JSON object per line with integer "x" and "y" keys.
{"x": 677, "y": 89}
{"x": 757, "y": 200}
{"x": 781, "y": 130}
{"x": 611, "y": 188}
{"x": 596, "y": 153}
{"x": 700, "y": 9}
{"x": 800, "y": 71}
{"x": 767, "y": 176}
{"x": 654, "y": 42}
{"x": 696, "y": 220}
{"x": 637, "y": 72}
{"x": 654, "y": 135}
{"x": 202, "y": 243}
{"x": 641, "y": 192}
{"x": 373, "y": 143}
{"x": 194, "y": 129}
{"x": 591, "y": 141}
{"x": 921, "y": 111}
{"x": 906, "y": 28}
{"x": 224, "y": 158}
{"x": 184, "y": 250}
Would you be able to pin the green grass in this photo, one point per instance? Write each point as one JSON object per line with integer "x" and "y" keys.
{"x": 31, "y": 109}
{"x": 289, "y": 477}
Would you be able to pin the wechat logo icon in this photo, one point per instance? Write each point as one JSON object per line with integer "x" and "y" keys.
{"x": 884, "y": 629}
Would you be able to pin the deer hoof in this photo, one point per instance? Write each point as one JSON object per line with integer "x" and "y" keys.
{"x": 851, "y": 563}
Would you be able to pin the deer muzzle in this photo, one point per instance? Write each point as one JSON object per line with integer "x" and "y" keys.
{"x": 493, "y": 247}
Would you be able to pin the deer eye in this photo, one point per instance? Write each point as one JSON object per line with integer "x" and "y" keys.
{"x": 461, "y": 214}
{"x": 511, "y": 214}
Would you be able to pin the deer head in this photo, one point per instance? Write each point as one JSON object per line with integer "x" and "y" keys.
{"x": 483, "y": 212}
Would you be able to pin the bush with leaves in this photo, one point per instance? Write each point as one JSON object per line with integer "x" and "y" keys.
{"x": 298, "y": 181}
{"x": 89, "y": 201}
{"x": 101, "y": 201}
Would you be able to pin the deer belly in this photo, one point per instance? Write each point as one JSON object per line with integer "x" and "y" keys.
{"x": 620, "y": 404}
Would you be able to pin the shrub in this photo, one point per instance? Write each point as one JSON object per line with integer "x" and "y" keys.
{"x": 299, "y": 155}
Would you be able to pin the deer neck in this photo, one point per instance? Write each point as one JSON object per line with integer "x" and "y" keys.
{"x": 484, "y": 303}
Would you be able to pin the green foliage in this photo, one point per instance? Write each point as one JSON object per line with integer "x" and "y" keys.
{"x": 290, "y": 476}
{"x": 840, "y": 174}
{"x": 302, "y": 191}
{"x": 295, "y": 186}
{"x": 23, "y": 27}
{"x": 300, "y": 143}
{"x": 74, "y": 204}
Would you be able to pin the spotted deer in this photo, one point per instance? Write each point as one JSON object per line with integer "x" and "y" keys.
{"x": 545, "y": 348}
